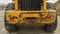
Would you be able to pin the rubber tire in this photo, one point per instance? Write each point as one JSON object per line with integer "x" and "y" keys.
{"x": 10, "y": 6}
{"x": 50, "y": 27}
{"x": 11, "y": 27}
{"x": 51, "y": 6}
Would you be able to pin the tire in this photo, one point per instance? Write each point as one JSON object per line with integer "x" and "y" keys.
{"x": 11, "y": 27}
{"x": 51, "y": 27}
{"x": 51, "y": 6}
{"x": 10, "y": 6}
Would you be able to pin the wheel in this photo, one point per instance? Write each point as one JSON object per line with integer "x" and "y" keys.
{"x": 51, "y": 6}
{"x": 10, "y": 6}
{"x": 11, "y": 27}
{"x": 51, "y": 27}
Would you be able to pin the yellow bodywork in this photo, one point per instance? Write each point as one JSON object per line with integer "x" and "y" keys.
{"x": 37, "y": 17}
{"x": 21, "y": 15}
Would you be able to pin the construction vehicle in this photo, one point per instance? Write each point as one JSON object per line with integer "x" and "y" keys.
{"x": 22, "y": 13}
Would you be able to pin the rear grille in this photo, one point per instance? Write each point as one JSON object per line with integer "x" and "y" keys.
{"x": 30, "y": 4}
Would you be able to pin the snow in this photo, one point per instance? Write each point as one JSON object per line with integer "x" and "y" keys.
{"x": 52, "y": 1}
{"x": 5, "y": 1}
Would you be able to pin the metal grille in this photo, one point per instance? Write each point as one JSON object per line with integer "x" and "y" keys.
{"x": 30, "y": 4}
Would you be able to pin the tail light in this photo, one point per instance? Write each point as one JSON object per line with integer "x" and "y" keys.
{"x": 49, "y": 18}
{"x": 12, "y": 18}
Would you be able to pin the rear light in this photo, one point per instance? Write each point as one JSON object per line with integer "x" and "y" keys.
{"x": 12, "y": 18}
{"x": 49, "y": 18}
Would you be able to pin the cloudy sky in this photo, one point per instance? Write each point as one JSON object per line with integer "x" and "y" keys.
{"x": 9, "y": 1}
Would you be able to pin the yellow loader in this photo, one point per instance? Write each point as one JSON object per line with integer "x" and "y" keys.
{"x": 32, "y": 13}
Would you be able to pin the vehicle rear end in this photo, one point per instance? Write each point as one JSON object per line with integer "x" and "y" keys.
{"x": 30, "y": 13}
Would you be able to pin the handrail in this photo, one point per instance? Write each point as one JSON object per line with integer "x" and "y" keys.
{"x": 44, "y": 5}
{"x": 16, "y": 4}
